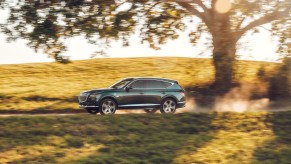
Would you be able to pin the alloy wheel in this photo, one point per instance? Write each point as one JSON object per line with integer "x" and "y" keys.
{"x": 108, "y": 106}
{"x": 168, "y": 106}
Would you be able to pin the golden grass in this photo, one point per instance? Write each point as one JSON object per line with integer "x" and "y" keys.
{"x": 228, "y": 138}
{"x": 45, "y": 87}
{"x": 41, "y": 152}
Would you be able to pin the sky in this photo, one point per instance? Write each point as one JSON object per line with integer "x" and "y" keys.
{"x": 257, "y": 46}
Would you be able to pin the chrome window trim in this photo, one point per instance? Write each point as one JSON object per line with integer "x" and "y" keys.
{"x": 118, "y": 82}
{"x": 172, "y": 83}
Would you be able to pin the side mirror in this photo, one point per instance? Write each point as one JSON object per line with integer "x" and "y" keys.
{"x": 128, "y": 88}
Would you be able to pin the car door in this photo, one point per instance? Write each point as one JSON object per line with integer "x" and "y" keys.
{"x": 134, "y": 96}
{"x": 154, "y": 92}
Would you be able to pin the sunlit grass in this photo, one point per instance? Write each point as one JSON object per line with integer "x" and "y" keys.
{"x": 227, "y": 147}
{"x": 52, "y": 86}
{"x": 46, "y": 153}
{"x": 142, "y": 138}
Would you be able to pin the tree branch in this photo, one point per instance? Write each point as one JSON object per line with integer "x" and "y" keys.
{"x": 263, "y": 20}
{"x": 204, "y": 17}
{"x": 199, "y": 2}
{"x": 205, "y": 9}
{"x": 240, "y": 23}
{"x": 188, "y": 2}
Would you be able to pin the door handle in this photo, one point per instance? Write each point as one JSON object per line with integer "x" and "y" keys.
{"x": 141, "y": 93}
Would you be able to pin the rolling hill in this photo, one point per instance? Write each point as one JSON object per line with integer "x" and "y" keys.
{"x": 53, "y": 87}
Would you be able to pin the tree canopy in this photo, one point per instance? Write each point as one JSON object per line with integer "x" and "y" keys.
{"x": 46, "y": 23}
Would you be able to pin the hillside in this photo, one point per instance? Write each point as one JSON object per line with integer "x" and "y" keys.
{"x": 138, "y": 138}
{"x": 46, "y": 87}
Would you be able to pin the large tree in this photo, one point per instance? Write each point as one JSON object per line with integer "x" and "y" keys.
{"x": 46, "y": 23}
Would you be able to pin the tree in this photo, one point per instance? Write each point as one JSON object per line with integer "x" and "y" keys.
{"x": 46, "y": 24}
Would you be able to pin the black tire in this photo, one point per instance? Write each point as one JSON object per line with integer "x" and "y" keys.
{"x": 92, "y": 110}
{"x": 107, "y": 107}
{"x": 168, "y": 106}
{"x": 150, "y": 110}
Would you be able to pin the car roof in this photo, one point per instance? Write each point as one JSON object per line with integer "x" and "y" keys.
{"x": 151, "y": 78}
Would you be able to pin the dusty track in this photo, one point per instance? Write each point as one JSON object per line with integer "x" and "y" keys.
{"x": 182, "y": 110}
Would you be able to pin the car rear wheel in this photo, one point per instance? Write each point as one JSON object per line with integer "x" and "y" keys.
{"x": 150, "y": 110}
{"x": 168, "y": 106}
{"x": 92, "y": 110}
{"x": 107, "y": 107}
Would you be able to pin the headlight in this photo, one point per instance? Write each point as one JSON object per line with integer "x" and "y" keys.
{"x": 95, "y": 96}
{"x": 83, "y": 96}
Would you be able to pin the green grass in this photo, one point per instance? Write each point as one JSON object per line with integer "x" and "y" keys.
{"x": 143, "y": 138}
{"x": 54, "y": 87}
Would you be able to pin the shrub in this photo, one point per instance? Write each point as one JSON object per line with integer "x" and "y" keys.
{"x": 280, "y": 83}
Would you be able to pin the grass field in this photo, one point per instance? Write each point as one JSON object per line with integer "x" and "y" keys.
{"x": 142, "y": 138}
{"x": 53, "y": 87}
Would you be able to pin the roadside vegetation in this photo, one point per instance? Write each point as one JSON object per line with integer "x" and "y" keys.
{"x": 148, "y": 138}
{"x": 54, "y": 87}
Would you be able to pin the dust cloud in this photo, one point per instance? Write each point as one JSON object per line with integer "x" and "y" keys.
{"x": 240, "y": 99}
{"x": 245, "y": 98}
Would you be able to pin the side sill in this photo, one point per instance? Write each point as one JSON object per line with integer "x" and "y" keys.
{"x": 81, "y": 106}
{"x": 138, "y": 105}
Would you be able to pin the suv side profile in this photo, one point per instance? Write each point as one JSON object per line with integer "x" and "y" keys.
{"x": 145, "y": 93}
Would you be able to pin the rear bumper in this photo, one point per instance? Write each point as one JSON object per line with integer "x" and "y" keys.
{"x": 181, "y": 104}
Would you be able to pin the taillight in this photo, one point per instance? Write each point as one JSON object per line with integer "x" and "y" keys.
{"x": 182, "y": 93}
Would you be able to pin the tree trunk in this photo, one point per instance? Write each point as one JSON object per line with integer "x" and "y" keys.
{"x": 224, "y": 49}
{"x": 223, "y": 60}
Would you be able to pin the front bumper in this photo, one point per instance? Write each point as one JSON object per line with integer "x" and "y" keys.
{"x": 88, "y": 104}
{"x": 181, "y": 104}
{"x": 87, "y": 100}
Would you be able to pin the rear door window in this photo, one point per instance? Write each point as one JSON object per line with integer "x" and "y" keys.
{"x": 155, "y": 84}
{"x": 139, "y": 84}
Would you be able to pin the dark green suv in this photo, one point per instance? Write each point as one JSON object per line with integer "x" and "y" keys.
{"x": 145, "y": 93}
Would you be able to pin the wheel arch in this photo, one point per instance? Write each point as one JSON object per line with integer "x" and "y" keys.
{"x": 108, "y": 97}
{"x": 171, "y": 97}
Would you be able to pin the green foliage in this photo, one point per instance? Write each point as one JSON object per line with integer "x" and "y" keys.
{"x": 280, "y": 83}
{"x": 141, "y": 138}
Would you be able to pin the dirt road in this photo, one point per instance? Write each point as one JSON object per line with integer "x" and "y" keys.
{"x": 182, "y": 110}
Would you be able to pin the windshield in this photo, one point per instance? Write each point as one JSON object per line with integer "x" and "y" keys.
{"x": 120, "y": 84}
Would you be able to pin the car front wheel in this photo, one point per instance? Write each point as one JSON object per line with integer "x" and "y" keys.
{"x": 168, "y": 106}
{"x": 107, "y": 107}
